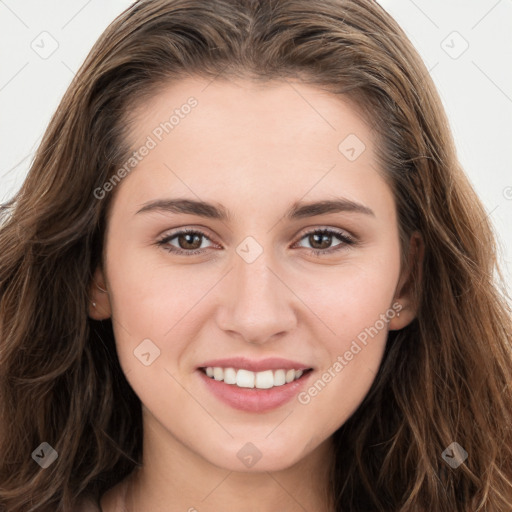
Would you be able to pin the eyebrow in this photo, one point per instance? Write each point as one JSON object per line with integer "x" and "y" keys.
{"x": 298, "y": 210}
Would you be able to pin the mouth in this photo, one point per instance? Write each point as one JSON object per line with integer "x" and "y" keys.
{"x": 247, "y": 379}
{"x": 253, "y": 392}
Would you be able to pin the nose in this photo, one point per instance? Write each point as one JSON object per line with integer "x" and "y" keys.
{"x": 258, "y": 305}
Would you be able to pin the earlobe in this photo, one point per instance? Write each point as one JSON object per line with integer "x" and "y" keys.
{"x": 99, "y": 300}
{"x": 402, "y": 319}
{"x": 405, "y": 301}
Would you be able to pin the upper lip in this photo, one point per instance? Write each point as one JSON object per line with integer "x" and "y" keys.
{"x": 244, "y": 363}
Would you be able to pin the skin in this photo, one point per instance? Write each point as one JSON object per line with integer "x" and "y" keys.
{"x": 255, "y": 150}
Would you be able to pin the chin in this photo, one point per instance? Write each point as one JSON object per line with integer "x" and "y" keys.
{"x": 258, "y": 456}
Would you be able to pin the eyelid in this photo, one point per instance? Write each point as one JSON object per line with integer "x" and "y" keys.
{"x": 204, "y": 231}
{"x": 169, "y": 235}
{"x": 346, "y": 239}
{"x": 330, "y": 229}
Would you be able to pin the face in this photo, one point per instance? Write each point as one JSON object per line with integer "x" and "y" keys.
{"x": 258, "y": 275}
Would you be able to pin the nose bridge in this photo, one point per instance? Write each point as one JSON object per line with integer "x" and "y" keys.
{"x": 257, "y": 304}
{"x": 256, "y": 282}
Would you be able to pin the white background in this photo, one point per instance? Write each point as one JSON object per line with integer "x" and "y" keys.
{"x": 476, "y": 86}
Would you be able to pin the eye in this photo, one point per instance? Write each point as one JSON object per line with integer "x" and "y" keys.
{"x": 189, "y": 241}
{"x": 321, "y": 239}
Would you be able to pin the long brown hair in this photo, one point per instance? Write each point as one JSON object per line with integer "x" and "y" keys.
{"x": 446, "y": 377}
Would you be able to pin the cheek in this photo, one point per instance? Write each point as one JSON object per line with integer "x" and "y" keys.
{"x": 351, "y": 360}
{"x": 355, "y": 304}
{"x": 147, "y": 280}
{"x": 351, "y": 297}
{"x": 166, "y": 303}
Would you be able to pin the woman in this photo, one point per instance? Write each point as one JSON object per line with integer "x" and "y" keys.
{"x": 246, "y": 271}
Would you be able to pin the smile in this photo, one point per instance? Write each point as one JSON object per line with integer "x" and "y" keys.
{"x": 247, "y": 379}
{"x": 255, "y": 392}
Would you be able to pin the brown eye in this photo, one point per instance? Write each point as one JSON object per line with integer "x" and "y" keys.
{"x": 188, "y": 242}
{"x": 320, "y": 241}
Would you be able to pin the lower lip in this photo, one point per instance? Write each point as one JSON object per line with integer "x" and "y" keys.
{"x": 254, "y": 399}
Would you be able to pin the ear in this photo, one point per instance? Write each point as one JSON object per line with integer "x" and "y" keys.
{"x": 404, "y": 302}
{"x": 99, "y": 300}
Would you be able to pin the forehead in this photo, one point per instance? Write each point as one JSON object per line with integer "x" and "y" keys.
{"x": 242, "y": 106}
{"x": 241, "y": 139}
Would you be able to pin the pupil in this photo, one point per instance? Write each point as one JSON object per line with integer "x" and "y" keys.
{"x": 189, "y": 236}
{"x": 320, "y": 235}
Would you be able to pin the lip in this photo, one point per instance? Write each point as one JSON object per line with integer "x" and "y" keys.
{"x": 244, "y": 363}
{"x": 252, "y": 399}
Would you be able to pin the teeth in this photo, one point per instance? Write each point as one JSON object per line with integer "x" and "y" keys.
{"x": 279, "y": 377}
{"x": 230, "y": 376}
{"x": 264, "y": 380}
{"x": 247, "y": 379}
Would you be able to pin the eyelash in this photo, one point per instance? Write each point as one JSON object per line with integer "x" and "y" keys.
{"x": 345, "y": 239}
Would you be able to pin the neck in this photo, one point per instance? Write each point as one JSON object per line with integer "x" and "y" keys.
{"x": 186, "y": 482}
